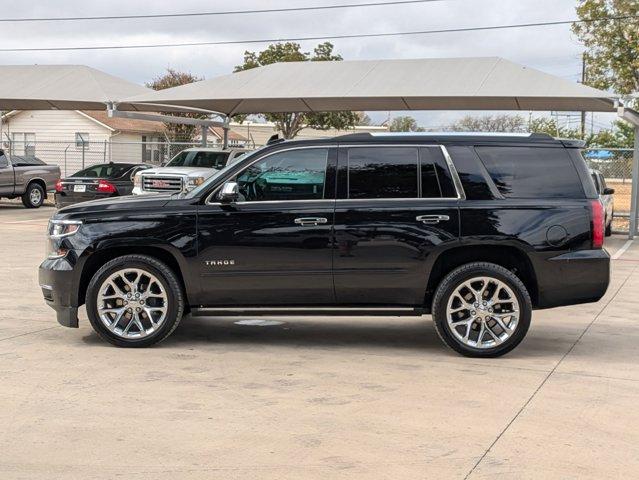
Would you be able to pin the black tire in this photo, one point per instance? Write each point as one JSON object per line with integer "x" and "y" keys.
{"x": 170, "y": 283}
{"x": 465, "y": 272}
{"x": 608, "y": 232}
{"x": 34, "y": 190}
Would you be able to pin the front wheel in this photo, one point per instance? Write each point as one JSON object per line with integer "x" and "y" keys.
{"x": 481, "y": 310}
{"x": 134, "y": 301}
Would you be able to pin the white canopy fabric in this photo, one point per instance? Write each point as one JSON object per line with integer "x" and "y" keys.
{"x": 418, "y": 84}
{"x": 64, "y": 87}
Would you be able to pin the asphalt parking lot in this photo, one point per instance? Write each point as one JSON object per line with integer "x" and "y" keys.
{"x": 313, "y": 397}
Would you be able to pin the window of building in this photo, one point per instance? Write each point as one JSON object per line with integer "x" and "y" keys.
{"x": 82, "y": 140}
{"x": 23, "y": 144}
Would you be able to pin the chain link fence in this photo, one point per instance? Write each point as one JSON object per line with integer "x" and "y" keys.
{"x": 72, "y": 156}
{"x": 614, "y": 163}
{"x": 616, "y": 166}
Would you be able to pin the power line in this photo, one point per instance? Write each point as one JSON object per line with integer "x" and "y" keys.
{"x": 209, "y": 14}
{"x": 321, "y": 37}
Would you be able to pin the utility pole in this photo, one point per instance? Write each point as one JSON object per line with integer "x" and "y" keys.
{"x": 583, "y": 82}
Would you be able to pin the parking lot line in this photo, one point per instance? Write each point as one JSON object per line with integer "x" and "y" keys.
{"x": 622, "y": 250}
{"x": 547, "y": 377}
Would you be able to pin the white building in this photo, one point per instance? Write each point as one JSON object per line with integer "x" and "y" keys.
{"x": 74, "y": 139}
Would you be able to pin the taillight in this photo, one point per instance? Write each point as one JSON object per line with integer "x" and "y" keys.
{"x": 597, "y": 218}
{"x": 58, "y": 185}
{"x": 106, "y": 187}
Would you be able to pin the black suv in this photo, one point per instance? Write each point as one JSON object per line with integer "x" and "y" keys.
{"x": 478, "y": 230}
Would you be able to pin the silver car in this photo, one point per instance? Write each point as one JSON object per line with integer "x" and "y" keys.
{"x": 606, "y": 197}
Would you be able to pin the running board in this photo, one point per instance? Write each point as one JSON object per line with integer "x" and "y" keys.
{"x": 307, "y": 311}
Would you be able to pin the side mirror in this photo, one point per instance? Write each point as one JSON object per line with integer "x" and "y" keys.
{"x": 608, "y": 191}
{"x": 230, "y": 193}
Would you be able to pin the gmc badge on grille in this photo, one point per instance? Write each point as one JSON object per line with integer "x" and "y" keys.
{"x": 159, "y": 184}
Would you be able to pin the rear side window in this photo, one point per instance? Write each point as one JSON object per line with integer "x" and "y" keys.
{"x": 532, "y": 172}
{"x": 386, "y": 172}
{"x": 398, "y": 172}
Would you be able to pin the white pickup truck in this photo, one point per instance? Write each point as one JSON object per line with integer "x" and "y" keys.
{"x": 185, "y": 171}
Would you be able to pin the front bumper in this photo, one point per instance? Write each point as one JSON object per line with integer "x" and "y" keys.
{"x": 59, "y": 289}
{"x": 572, "y": 278}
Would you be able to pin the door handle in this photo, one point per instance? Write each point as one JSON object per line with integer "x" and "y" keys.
{"x": 432, "y": 219}
{"x": 310, "y": 221}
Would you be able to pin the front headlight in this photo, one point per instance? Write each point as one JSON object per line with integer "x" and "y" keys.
{"x": 63, "y": 228}
{"x": 193, "y": 182}
{"x": 137, "y": 181}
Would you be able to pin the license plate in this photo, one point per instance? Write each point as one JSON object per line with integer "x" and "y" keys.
{"x": 79, "y": 188}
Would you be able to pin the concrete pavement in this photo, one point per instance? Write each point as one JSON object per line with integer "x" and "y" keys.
{"x": 313, "y": 397}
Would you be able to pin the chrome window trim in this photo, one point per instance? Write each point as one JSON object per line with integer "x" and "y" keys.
{"x": 461, "y": 195}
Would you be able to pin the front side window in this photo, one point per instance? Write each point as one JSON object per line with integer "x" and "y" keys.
{"x": 3, "y": 160}
{"x": 288, "y": 175}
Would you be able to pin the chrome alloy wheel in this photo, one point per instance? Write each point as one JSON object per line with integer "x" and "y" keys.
{"x": 132, "y": 303}
{"x": 482, "y": 312}
{"x": 35, "y": 196}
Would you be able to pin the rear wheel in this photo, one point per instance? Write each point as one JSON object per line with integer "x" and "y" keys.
{"x": 134, "y": 301}
{"x": 34, "y": 196}
{"x": 481, "y": 310}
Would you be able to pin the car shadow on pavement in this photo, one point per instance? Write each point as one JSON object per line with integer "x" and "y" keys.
{"x": 307, "y": 331}
{"x": 371, "y": 333}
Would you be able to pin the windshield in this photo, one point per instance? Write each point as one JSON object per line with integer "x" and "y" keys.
{"x": 197, "y": 191}
{"x": 194, "y": 158}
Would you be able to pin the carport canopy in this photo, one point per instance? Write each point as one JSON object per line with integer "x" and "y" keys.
{"x": 63, "y": 87}
{"x": 414, "y": 84}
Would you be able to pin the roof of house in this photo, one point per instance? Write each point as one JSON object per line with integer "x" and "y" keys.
{"x": 233, "y": 136}
{"x": 125, "y": 124}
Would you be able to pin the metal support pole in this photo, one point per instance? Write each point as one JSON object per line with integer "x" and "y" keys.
{"x": 205, "y": 131}
{"x": 634, "y": 200}
{"x": 225, "y": 128}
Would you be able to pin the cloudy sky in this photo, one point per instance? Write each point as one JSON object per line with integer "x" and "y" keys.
{"x": 553, "y": 49}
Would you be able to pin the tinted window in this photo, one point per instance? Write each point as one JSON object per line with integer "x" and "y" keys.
{"x": 594, "y": 179}
{"x": 532, "y": 172}
{"x": 3, "y": 160}
{"x": 290, "y": 175}
{"x": 383, "y": 172}
{"x": 436, "y": 180}
{"x": 109, "y": 170}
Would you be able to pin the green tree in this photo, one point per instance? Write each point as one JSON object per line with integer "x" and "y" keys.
{"x": 489, "y": 123}
{"x": 550, "y": 126}
{"x": 404, "y": 124}
{"x": 612, "y": 47}
{"x": 621, "y": 135}
{"x": 173, "y": 78}
{"x": 290, "y": 124}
